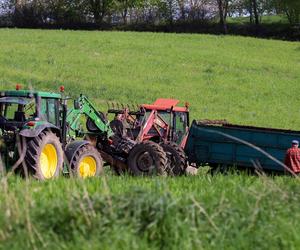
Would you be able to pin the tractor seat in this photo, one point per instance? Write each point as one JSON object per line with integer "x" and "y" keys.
{"x": 19, "y": 116}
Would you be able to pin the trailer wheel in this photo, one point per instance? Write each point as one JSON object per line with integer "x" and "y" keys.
{"x": 87, "y": 162}
{"x": 147, "y": 158}
{"x": 176, "y": 158}
{"x": 44, "y": 156}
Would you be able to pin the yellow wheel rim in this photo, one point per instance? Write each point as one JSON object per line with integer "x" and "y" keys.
{"x": 87, "y": 167}
{"x": 48, "y": 161}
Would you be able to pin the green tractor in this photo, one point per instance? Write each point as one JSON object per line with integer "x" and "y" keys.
{"x": 40, "y": 136}
{"x": 33, "y": 136}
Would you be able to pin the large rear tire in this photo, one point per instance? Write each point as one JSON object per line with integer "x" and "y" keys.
{"x": 87, "y": 162}
{"x": 176, "y": 158}
{"x": 147, "y": 158}
{"x": 44, "y": 156}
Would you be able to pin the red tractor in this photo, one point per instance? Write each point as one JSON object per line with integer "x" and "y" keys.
{"x": 163, "y": 122}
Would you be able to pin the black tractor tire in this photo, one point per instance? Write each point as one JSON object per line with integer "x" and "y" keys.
{"x": 176, "y": 158}
{"x": 147, "y": 159}
{"x": 44, "y": 156}
{"x": 87, "y": 162}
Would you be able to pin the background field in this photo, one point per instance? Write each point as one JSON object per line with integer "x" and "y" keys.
{"x": 245, "y": 80}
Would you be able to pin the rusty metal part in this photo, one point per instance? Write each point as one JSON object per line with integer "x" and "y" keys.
{"x": 212, "y": 122}
{"x": 115, "y": 163}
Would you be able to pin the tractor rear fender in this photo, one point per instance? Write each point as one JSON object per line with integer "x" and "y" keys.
{"x": 34, "y": 132}
{"x": 72, "y": 149}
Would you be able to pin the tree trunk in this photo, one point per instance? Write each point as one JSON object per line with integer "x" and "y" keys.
{"x": 124, "y": 15}
{"x": 223, "y": 24}
{"x": 256, "y": 16}
{"x": 251, "y": 15}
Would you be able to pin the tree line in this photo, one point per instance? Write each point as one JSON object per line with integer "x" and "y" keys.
{"x": 102, "y": 13}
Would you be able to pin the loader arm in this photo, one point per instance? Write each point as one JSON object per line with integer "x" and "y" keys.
{"x": 82, "y": 106}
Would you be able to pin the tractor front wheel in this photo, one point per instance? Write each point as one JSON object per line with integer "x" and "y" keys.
{"x": 44, "y": 156}
{"x": 87, "y": 162}
{"x": 176, "y": 158}
{"x": 147, "y": 158}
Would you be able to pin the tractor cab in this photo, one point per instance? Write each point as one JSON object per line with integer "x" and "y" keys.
{"x": 161, "y": 121}
{"x": 169, "y": 121}
{"x": 19, "y": 107}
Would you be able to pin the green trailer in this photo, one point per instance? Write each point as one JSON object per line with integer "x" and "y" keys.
{"x": 220, "y": 143}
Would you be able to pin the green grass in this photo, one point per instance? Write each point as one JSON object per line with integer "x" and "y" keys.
{"x": 201, "y": 212}
{"x": 245, "y": 80}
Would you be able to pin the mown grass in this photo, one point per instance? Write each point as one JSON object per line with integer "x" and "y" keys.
{"x": 201, "y": 212}
{"x": 245, "y": 80}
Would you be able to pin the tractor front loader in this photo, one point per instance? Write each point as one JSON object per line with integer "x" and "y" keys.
{"x": 121, "y": 152}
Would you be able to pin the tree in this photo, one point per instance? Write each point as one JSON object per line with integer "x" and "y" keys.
{"x": 123, "y": 6}
{"x": 292, "y": 10}
{"x": 99, "y": 9}
{"x": 223, "y": 10}
{"x": 255, "y": 11}
{"x": 201, "y": 9}
{"x": 167, "y": 10}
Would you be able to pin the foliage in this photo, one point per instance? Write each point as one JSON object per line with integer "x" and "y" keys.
{"x": 36, "y": 13}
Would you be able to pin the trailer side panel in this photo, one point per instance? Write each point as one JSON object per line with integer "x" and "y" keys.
{"x": 228, "y": 144}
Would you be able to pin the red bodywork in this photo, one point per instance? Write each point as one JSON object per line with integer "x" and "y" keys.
{"x": 165, "y": 104}
{"x": 157, "y": 123}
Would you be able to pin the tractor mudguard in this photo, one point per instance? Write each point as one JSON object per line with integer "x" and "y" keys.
{"x": 34, "y": 132}
{"x": 72, "y": 149}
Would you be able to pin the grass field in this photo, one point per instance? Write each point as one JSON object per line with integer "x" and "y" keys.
{"x": 245, "y": 80}
{"x": 201, "y": 212}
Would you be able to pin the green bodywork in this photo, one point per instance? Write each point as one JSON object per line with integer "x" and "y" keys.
{"x": 83, "y": 106}
{"x": 25, "y": 113}
{"x": 29, "y": 93}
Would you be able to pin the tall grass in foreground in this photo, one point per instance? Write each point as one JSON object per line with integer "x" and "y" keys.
{"x": 232, "y": 211}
